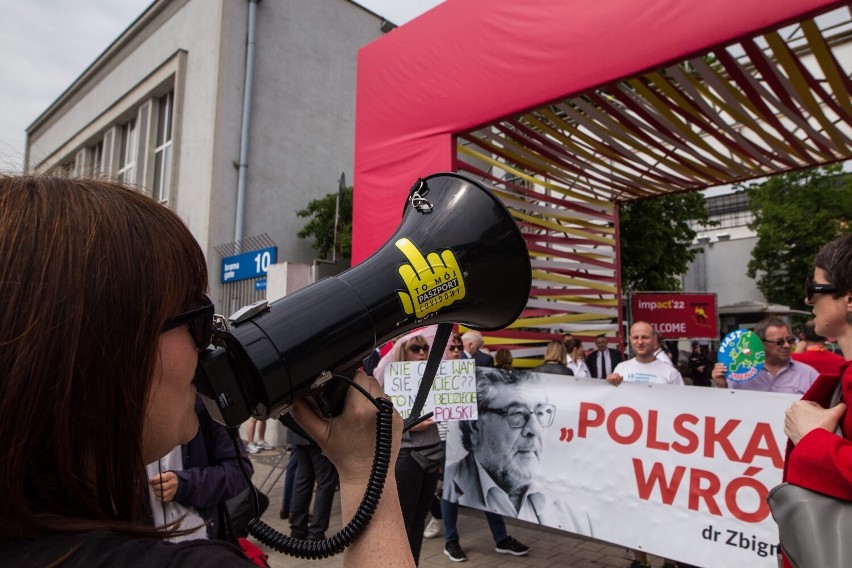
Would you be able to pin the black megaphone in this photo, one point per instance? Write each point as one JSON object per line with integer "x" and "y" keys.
{"x": 458, "y": 256}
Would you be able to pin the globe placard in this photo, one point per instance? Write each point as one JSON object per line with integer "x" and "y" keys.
{"x": 742, "y": 353}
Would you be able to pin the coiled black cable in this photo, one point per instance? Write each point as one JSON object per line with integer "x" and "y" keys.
{"x": 313, "y": 550}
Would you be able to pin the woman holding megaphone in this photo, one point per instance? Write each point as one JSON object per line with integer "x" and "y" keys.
{"x": 103, "y": 316}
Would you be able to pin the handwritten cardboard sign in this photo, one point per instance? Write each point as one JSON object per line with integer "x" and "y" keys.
{"x": 451, "y": 398}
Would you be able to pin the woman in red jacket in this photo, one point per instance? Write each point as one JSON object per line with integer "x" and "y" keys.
{"x": 817, "y": 458}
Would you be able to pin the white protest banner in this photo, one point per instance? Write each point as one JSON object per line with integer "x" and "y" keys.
{"x": 452, "y": 396}
{"x": 677, "y": 471}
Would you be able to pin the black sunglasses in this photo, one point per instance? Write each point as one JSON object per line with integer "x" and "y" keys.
{"x": 200, "y": 321}
{"x": 811, "y": 289}
{"x": 789, "y": 340}
{"x": 455, "y": 347}
{"x": 418, "y": 348}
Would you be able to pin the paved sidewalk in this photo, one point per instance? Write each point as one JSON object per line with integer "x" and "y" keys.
{"x": 549, "y": 547}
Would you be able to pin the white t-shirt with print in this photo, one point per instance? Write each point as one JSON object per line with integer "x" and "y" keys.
{"x": 654, "y": 372}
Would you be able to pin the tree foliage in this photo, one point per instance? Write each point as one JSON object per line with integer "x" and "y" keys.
{"x": 321, "y": 225}
{"x": 794, "y": 214}
{"x": 656, "y": 240}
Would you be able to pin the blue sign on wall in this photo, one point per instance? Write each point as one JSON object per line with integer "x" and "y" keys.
{"x": 248, "y": 264}
{"x": 260, "y": 284}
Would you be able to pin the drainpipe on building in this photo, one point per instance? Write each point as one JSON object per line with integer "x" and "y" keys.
{"x": 244, "y": 130}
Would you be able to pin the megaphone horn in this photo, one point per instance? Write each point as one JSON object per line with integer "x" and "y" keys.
{"x": 458, "y": 256}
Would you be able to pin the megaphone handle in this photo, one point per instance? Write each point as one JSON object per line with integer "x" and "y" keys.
{"x": 439, "y": 344}
{"x": 331, "y": 396}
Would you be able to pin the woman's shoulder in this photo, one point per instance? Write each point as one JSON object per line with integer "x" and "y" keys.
{"x": 108, "y": 549}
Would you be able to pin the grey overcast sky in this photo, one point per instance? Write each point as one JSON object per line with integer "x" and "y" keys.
{"x": 47, "y": 44}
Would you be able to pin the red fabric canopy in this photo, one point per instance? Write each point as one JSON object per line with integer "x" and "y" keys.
{"x": 469, "y": 62}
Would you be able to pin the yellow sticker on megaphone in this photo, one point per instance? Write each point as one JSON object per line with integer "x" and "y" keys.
{"x": 432, "y": 282}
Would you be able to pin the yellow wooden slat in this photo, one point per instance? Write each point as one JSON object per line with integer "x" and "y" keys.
{"x": 828, "y": 64}
{"x": 557, "y": 227}
{"x": 653, "y": 98}
{"x": 577, "y": 282}
{"x": 803, "y": 92}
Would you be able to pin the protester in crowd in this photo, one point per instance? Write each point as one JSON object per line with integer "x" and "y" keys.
{"x": 104, "y": 315}
{"x": 815, "y": 353}
{"x": 645, "y": 367}
{"x": 699, "y": 366}
{"x": 420, "y": 456}
{"x": 315, "y": 477}
{"x": 502, "y": 466}
{"x": 473, "y": 343}
{"x": 800, "y": 341}
{"x": 779, "y": 373}
{"x": 603, "y": 359}
{"x": 452, "y": 352}
{"x": 555, "y": 356}
{"x": 817, "y": 457}
{"x": 503, "y": 359}
{"x": 576, "y": 359}
{"x": 447, "y": 518}
{"x": 195, "y": 478}
{"x": 661, "y": 349}
{"x": 258, "y": 426}
{"x": 289, "y": 484}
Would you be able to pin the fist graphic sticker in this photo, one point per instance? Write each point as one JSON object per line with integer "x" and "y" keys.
{"x": 431, "y": 282}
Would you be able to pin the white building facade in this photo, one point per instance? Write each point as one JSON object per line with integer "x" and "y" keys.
{"x": 163, "y": 107}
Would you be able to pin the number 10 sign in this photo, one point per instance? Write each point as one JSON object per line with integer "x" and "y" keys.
{"x": 248, "y": 264}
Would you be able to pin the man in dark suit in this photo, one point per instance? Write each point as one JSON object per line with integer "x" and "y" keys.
{"x": 472, "y": 341}
{"x": 603, "y": 360}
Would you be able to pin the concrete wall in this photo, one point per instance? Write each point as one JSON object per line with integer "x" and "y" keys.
{"x": 721, "y": 268}
{"x": 303, "y": 123}
{"x": 303, "y": 117}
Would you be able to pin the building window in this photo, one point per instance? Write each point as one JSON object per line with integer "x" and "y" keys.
{"x": 163, "y": 148}
{"x": 96, "y": 153}
{"x": 127, "y": 152}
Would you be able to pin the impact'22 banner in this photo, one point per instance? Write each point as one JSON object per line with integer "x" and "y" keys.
{"x": 677, "y": 471}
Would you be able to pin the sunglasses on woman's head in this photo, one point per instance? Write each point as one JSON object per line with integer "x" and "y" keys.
{"x": 199, "y": 320}
{"x": 418, "y": 348}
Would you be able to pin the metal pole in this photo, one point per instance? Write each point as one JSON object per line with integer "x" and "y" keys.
{"x": 244, "y": 131}
{"x": 341, "y": 187}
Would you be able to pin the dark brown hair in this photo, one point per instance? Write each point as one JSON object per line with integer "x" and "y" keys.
{"x": 89, "y": 272}
{"x": 503, "y": 359}
{"x": 835, "y": 258}
{"x": 763, "y": 325}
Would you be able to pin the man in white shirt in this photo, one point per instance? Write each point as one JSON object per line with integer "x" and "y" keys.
{"x": 645, "y": 367}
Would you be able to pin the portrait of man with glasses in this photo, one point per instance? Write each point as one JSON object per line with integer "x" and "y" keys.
{"x": 501, "y": 471}
{"x": 780, "y": 372}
